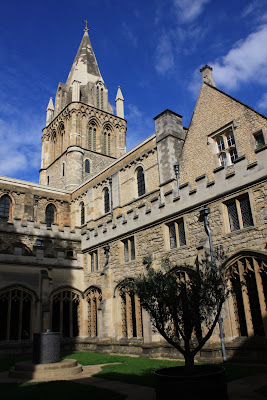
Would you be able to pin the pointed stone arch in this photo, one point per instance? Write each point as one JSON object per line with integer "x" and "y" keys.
{"x": 93, "y": 297}
{"x": 131, "y": 323}
{"x": 92, "y": 134}
{"x": 248, "y": 282}
{"x": 17, "y": 305}
{"x": 61, "y": 145}
{"x": 107, "y": 139}
{"x": 66, "y": 311}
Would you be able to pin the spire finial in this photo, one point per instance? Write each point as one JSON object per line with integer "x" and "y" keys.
{"x": 85, "y": 29}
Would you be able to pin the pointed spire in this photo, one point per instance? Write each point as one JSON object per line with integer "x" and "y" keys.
{"x": 85, "y": 66}
{"x": 119, "y": 103}
{"x": 50, "y": 111}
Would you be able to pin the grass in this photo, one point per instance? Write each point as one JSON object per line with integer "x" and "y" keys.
{"x": 128, "y": 370}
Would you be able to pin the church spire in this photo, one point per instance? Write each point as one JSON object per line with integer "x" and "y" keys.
{"x": 84, "y": 68}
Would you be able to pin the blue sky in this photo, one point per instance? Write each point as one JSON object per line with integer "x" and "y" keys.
{"x": 153, "y": 49}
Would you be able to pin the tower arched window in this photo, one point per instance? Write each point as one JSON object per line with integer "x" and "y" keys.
{"x": 102, "y": 98}
{"x": 87, "y": 166}
{"x": 92, "y": 136}
{"x": 50, "y": 214}
{"x": 5, "y": 206}
{"x": 106, "y": 139}
{"x": 106, "y": 201}
{"x": 141, "y": 188}
{"x": 82, "y": 213}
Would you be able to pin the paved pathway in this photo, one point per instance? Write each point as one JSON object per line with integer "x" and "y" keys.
{"x": 240, "y": 389}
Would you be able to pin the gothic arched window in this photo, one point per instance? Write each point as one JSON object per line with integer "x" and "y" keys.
{"x": 5, "y": 206}
{"x": 249, "y": 292}
{"x": 141, "y": 188}
{"x": 92, "y": 136}
{"x": 65, "y": 313}
{"x": 131, "y": 315}
{"x": 87, "y": 166}
{"x": 93, "y": 297}
{"x": 106, "y": 200}
{"x": 50, "y": 214}
{"x": 16, "y": 314}
{"x": 82, "y": 213}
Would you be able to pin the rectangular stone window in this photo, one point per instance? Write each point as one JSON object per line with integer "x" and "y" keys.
{"x": 177, "y": 236}
{"x": 239, "y": 213}
{"x": 129, "y": 249}
{"x": 94, "y": 261}
{"x": 259, "y": 139}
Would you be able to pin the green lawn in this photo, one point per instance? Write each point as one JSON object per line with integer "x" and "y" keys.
{"x": 128, "y": 369}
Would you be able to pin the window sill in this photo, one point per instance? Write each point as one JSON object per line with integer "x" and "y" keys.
{"x": 242, "y": 230}
{"x": 264, "y": 147}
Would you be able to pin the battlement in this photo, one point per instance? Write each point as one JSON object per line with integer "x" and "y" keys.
{"x": 168, "y": 205}
{"x": 31, "y": 228}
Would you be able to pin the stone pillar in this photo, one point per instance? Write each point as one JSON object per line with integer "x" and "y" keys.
{"x": 74, "y": 167}
{"x": 170, "y": 139}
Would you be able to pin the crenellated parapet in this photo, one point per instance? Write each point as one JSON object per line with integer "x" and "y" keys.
{"x": 228, "y": 181}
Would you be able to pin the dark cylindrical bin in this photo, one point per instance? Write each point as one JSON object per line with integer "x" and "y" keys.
{"x": 46, "y": 348}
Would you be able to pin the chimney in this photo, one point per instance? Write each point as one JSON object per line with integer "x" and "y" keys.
{"x": 207, "y": 76}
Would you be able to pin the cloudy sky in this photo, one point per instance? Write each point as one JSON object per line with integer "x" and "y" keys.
{"x": 153, "y": 49}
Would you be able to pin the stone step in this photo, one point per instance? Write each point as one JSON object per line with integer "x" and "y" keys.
{"x": 28, "y": 370}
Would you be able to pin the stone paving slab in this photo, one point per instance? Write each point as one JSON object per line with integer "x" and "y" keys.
{"x": 240, "y": 389}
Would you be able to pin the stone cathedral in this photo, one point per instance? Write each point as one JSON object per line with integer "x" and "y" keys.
{"x": 68, "y": 242}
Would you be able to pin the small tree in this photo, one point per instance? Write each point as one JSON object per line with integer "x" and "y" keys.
{"x": 184, "y": 303}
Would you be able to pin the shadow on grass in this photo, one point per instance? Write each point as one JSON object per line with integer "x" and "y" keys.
{"x": 55, "y": 390}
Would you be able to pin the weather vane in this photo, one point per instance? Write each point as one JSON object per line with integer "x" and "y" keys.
{"x": 85, "y": 29}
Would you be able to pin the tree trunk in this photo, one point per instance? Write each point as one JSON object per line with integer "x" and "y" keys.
{"x": 189, "y": 362}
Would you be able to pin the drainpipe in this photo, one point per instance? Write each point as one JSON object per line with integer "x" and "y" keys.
{"x": 111, "y": 200}
{"x": 204, "y": 212}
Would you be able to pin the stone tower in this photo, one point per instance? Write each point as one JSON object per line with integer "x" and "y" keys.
{"x": 82, "y": 135}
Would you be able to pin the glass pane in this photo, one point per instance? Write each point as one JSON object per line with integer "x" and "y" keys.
{"x": 220, "y": 143}
{"x": 50, "y": 215}
{"x": 126, "y": 251}
{"x": 181, "y": 231}
{"x": 230, "y": 139}
{"x": 246, "y": 212}
{"x": 141, "y": 182}
{"x": 132, "y": 249}
{"x": 233, "y": 217}
{"x": 223, "y": 159}
{"x": 5, "y": 206}
{"x": 172, "y": 234}
{"x": 233, "y": 155}
{"x": 96, "y": 261}
{"x": 92, "y": 262}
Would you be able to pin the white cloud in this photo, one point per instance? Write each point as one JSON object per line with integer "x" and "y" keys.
{"x": 20, "y": 146}
{"x": 139, "y": 125}
{"x": 164, "y": 54}
{"x": 189, "y": 10}
{"x": 262, "y": 104}
{"x": 246, "y": 61}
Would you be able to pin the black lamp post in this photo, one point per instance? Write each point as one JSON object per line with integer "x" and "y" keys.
{"x": 204, "y": 212}
{"x": 176, "y": 167}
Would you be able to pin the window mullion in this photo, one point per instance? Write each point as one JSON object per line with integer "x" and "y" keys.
{"x": 239, "y": 214}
